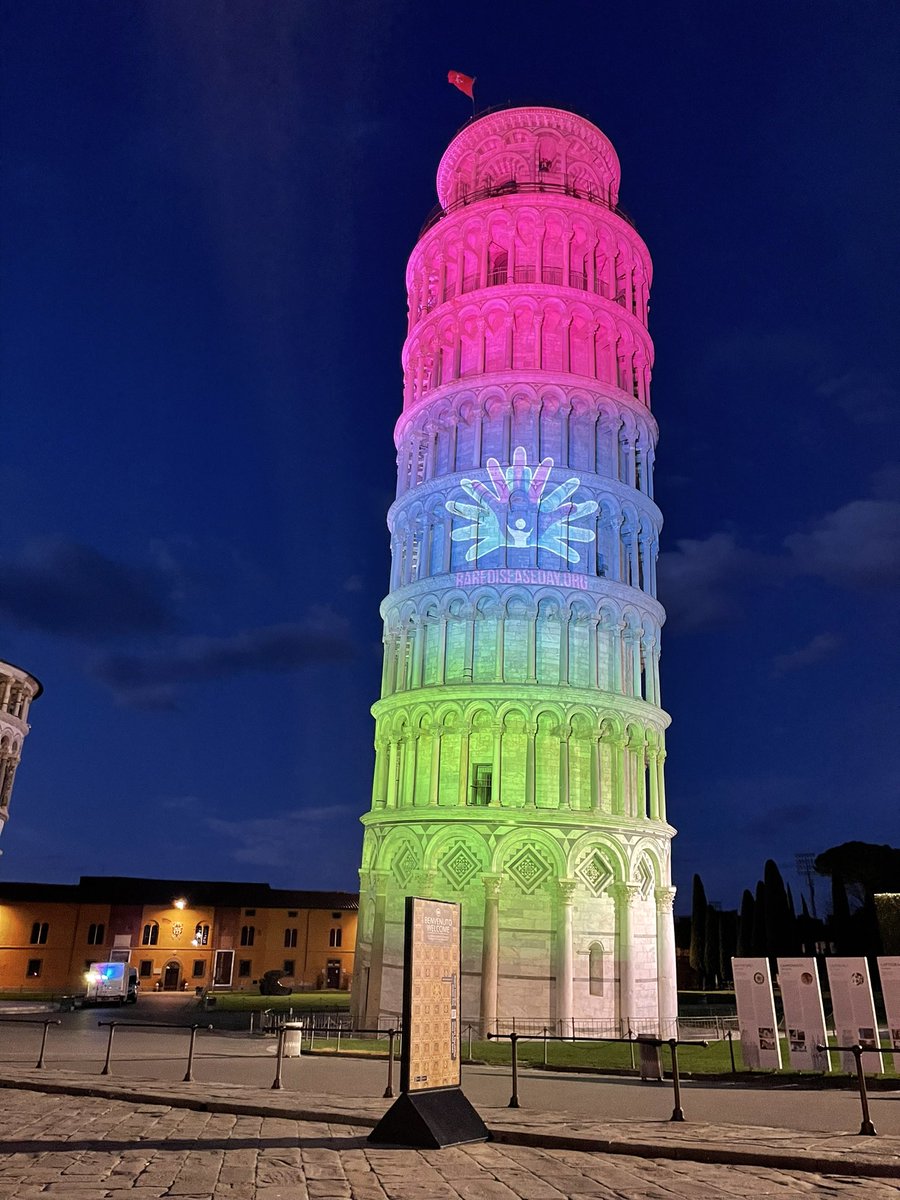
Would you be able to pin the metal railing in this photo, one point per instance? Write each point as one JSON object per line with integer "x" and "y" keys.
{"x": 114, "y": 1025}
{"x": 46, "y": 1024}
{"x": 514, "y": 187}
{"x": 672, "y": 1043}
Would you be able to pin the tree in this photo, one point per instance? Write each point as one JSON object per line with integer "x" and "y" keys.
{"x": 744, "y": 947}
{"x": 864, "y": 867}
{"x": 840, "y": 915}
{"x": 698, "y": 930}
{"x": 778, "y": 922}
{"x": 712, "y": 948}
{"x": 759, "y": 921}
{"x": 728, "y": 922}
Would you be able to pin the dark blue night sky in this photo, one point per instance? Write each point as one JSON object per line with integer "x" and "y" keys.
{"x": 206, "y": 214}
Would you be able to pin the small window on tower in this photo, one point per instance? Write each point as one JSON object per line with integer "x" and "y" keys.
{"x": 482, "y": 780}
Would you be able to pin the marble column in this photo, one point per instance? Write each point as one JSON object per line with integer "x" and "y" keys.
{"x": 490, "y": 953}
{"x": 666, "y": 978}
{"x": 625, "y": 895}
{"x": 565, "y": 957}
{"x": 378, "y": 881}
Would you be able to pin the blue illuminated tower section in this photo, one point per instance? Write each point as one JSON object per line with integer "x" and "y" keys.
{"x": 519, "y": 734}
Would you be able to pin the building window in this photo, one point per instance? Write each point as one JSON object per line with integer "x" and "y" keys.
{"x": 33, "y": 970}
{"x": 482, "y": 778}
{"x": 96, "y": 934}
{"x": 150, "y": 936}
{"x": 334, "y": 938}
{"x": 292, "y": 912}
{"x": 244, "y": 968}
{"x": 248, "y": 933}
{"x": 146, "y": 968}
{"x": 288, "y": 966}
{"x": 39, "y": 931}
{"x": 199, "y": 968}
{"x": 249, "y": 912}
{"x": 290, "y": 938}
{"x": 201, "y": 935}
{"x": 336, "y": 916}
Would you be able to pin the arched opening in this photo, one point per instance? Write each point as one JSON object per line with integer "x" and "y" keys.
{"x": 171, "y": 976}
{"x": 595, "y": 973}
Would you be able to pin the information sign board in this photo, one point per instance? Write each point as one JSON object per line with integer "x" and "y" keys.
{"x": 853, "y": 1010}
{"x": 756, "y": 1013}
{"x": 889, "y": 972}
{"x": 804, "y": 1017}
{"x": 430, "y": 1048}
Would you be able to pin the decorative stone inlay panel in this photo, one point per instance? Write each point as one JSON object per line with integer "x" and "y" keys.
{"x": 595, "y": 872}
{"x": 529, "y": 869}
{"x": 405, "y": 862}
{"x": 458, "y": 865}
{"x": 645, "y": 879}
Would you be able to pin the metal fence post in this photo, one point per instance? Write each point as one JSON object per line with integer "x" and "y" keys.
{"x": 677, "y": 1111}
{"x": 189, "y": 1073}
{"x": 514, "y": 1048}
{"x": 389, "y": 1090}
{"x": 40, "y": 1062}
{"x": 731, "y": 1051}
{"x": 338, "y": 1047}
{"x": 112, "y": 1030}
{"x": 470, "y": 1043}
{"x": 545, "y": 1045}
{"x": 277, "y": 1084}
{"x": 866, "y": 1127}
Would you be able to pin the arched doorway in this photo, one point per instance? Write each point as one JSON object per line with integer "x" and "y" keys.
{"x": 171, "y": 977}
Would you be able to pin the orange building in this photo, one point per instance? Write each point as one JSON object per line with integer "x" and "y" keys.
{"x": 178, "y": 933}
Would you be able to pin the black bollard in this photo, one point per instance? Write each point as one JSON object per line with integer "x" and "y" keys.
{"x": 40, "y": 1062}
{"x": 389, "y": 1090}
{"x": 514, "y": 1049}
{"x": 277, "y": 1084}
{"x": 677, "y": 1111}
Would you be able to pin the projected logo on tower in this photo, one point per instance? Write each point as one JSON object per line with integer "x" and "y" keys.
{"x": 519, "y": 513}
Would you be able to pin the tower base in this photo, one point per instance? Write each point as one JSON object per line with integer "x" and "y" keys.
{"x": 429, "y": 1121}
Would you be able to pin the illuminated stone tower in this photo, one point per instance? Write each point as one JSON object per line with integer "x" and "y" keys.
{"x": 519, "y": 735}
{"x": 17, "y": 690}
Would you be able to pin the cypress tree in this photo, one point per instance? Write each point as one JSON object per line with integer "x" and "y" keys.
{"x": 727, "y": 944}
{"x": 712, "y": 947}
{"x": 779, "y": 938}
{"x": 759, "y": 921}
{"x": 745, "y": 926}
{"x": 698, "y": 931}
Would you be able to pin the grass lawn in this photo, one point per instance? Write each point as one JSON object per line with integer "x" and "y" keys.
{"x": 713, "y": 1059}
{"x": 298, "y": 1001}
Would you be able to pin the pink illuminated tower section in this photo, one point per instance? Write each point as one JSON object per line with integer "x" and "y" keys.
{"x": 519, "y": 735}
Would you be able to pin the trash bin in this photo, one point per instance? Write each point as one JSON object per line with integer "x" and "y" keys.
{"x": 651, "y": 1063}
{"x": 293, "y": 1033}
{"x": 67, "y": 1004}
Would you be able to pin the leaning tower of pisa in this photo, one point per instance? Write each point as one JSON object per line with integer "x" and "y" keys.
{"x": 519, "y": 734}
{"x": 17, "y": 690}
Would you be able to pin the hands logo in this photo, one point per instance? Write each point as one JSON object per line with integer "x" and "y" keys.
{"x": 515, "y": 512}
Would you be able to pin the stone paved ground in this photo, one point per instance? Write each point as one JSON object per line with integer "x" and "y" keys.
{"x": 95, "y": 1148}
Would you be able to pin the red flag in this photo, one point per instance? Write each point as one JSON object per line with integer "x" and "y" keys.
{"x": 465, "y": 83}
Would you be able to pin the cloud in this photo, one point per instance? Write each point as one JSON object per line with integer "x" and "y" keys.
{"x": 822, "y": 646}
{"x": 700, "y": 578}
{"x": 867, "y": 398}
{"x": 857, "y": 544}
{"x": 65, "y": 588}
{"x": 150, "y": 680}
{"x": 275, "y": 841}
{"x": 768, "y": 821}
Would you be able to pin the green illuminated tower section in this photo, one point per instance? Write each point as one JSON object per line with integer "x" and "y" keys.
{"x": 519, "y": 734}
